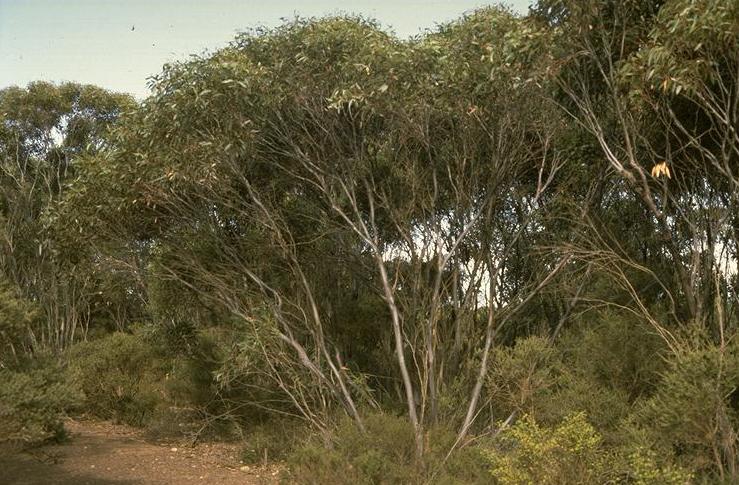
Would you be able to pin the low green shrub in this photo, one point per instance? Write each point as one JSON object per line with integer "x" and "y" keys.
{"x": 616, "y": 351}
{"x": 605, "y": 407}
{"x": 32, "y": 404}
{"x": 465, "y": 465}
{"x": 384, "y": 454}
{"x": 272, "y": 440}
{"x": 119, "y": 377}
{"x": 522, "y": 376}
{"x": 602, "y": 368}
{"x": 693, "y": 415}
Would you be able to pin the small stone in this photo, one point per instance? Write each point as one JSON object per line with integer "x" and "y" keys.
{"x": 173, "y": 449}
{"x": 244, "y": 468}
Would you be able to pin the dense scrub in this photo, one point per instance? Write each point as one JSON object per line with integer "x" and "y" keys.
{"x": 504, "y": 250}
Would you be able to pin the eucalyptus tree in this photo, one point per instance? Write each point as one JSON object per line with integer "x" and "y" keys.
{"x": 659, "y": 100}
{"x": 326, "y": 166}
{"x": 44, "y": 128}
{"x": 665, "y": 102}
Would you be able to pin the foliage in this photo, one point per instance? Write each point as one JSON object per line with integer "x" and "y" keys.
{"x": 384, "y": 454}
{"x": 606, "y": 364}
{"x": 568, "y": 453}
{"x": 33, "y": 402}
{"x": 45, "y": 129}
{"x": 119, "y": 377}
{"x": 18, "y": 319}
{"x": 693, "y": 412}
{"x": 644, "y": 469}
{"x": 629, "y": 354}
{"x": 521, "y": 376}
{"x": 272, "y": 440}
{"x": 686, "y": 46}
{"x": 462, "y": 243}
{"x": 573, "y": 452}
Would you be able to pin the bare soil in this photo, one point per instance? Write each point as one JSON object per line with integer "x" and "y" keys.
{"x": 102, "y": 453}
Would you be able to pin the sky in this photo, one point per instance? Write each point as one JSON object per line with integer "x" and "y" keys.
{"x": 118, "y": 44}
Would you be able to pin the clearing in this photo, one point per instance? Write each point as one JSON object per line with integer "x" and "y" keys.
{"x": 102, "y": 453}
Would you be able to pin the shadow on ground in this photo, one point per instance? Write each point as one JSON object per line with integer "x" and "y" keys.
{"x": 19, "y": 468}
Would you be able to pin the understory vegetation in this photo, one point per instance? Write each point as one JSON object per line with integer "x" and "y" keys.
{"x": 504, "y": 251}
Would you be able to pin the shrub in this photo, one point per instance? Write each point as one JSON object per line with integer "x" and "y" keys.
{"x": 272, "y": 440}
{"x": 604, "y": 369}
{"x": 522, "y": 376}
{"x": 464, "y": 466}
{"x": 568, "y": 453}
{"x": 119, "y": 377}
{"x": 18, "y": 317}
{"x": 32, "y": 404}
{"x": 385, "y": 454}
{"x": 573, "y": 452}
{"x": 549, "y": 383}
{"x": 617, "y": 352}
{"x": 606, "y": 408}
{"x": 644, "y": 469}
{"x": 691, "y": 414}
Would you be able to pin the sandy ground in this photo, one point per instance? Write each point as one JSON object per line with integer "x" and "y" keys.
{"x": 101, "y": 453}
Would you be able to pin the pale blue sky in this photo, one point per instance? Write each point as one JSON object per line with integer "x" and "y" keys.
{"x": 91, "y": 41}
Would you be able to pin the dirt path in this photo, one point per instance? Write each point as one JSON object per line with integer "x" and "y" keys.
{"x": 106, "y": 454}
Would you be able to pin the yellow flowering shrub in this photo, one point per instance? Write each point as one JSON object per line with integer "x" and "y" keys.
{"x": 532, "y": 455}
{"x": 644, "y": 470}
{"x": 573, "y": 453}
